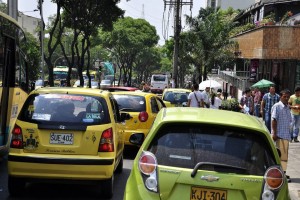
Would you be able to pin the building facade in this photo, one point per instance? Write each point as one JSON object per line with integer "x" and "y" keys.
{"x": 225, "y": 4}
{"x": 29, "y": 23}
{"x": 267, "y": 51}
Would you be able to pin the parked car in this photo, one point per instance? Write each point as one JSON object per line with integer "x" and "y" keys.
{"x": 67, "y": 134}
{"x": 143, "y": 108}
{"x": 175, "y": 97}
{"x": 197, "y": 153}
{"x": 105, "y": 84}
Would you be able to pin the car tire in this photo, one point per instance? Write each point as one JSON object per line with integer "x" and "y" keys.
{"x": 108, "y": 188}
{"x": 16, "y": 186}
{"x": 119, "y": 168}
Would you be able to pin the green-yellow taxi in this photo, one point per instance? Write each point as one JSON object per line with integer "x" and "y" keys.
{"x": 197, "y": 153}
{"x": 175, "y": 97}
{"x": 143, "y": 108}
{"x": 67, "y": 134}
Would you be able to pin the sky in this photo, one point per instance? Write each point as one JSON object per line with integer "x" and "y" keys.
{"x": 153, "y": 11}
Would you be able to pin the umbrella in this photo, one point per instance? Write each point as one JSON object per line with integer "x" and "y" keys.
{"x": 209, "y": 83}
{"x": 263, "y": 84}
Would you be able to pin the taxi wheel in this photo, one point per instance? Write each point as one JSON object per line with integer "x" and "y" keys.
{"x": 16, "y": 186}
{"x": 107, "y": 187}
{"x": 119, "y": 169}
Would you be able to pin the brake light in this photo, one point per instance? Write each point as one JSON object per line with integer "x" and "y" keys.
{"x": 147, "y": 163}
{"x": 143, "y": 116}
{"x": 274, "y": 178}
{"x": 17, "y": 138}
{"x": 106, "y": 141}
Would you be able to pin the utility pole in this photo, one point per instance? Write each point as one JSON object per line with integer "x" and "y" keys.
{"x": 42, "y": 40}
{"x": 177, "y": 29}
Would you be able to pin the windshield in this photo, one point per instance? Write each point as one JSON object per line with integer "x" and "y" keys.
{"x": 176, "y": 97}
{"x": 74, "y": 109}
{"x": 159, "y": 78}
{"x": 185, "y": 145}
{"x": 131, "y": 103}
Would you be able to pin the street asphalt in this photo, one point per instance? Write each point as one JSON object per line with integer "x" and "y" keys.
{"x": 293, "y": 170}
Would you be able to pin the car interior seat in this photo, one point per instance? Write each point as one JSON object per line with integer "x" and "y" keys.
{"x": 64, "y": 112}
{"x": 170, "y": 97}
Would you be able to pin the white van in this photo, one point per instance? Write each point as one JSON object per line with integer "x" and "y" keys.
{"x": 159, "y": 82}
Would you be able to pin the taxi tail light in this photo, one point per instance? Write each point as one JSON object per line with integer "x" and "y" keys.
{"x": 106, "y": 141}
{"x": 16, "y": 138}
{"x": 143, "y": 116}
{"x": 147, "y": 165}
{"x": 274, "y": 178}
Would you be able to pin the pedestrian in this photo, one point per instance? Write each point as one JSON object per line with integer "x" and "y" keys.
{"x": 195, "y": 98}
{"x": 145, "y": 87}
{"x": 216, "y": 100}
{"x": 206, "y": 97}
{"x": 247, "y": 101}
{"x": 172, "y": 83}
{"x": 268, "y": 100}
{"x": 257, "y": 100}
{"x": 294, "y": 103}
{"x": 281, "y": 126}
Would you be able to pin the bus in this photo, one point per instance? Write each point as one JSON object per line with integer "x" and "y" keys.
{"x": 14, "y": 81}
{"x": 159, "y": 82}
{"x": 60, "y": 74}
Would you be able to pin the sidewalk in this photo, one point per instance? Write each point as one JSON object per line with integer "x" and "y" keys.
{"x": 293, "y": 170}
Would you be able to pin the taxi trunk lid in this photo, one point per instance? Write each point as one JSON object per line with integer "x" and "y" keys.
{"x": 62, "y": 139}
{"x": 207, "y": 185}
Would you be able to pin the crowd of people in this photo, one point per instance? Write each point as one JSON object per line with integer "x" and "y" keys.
{"x": 280, "y": 112}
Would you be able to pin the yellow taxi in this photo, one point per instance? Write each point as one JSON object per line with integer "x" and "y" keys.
{"x": 175, "y": 97}
{"x": 143, "y": 108}
{"x": 67, "y": 134}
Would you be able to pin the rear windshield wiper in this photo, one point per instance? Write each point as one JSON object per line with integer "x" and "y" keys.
{"x": 199, "y": 164}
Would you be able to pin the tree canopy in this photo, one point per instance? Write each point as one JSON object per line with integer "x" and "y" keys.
{"x": 127, "y": 40}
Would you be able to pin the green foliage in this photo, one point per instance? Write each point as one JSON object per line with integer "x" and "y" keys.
{"x": 32, "y": 50}
{"x": 210, "y": 32}
{"x": 129, "y": 39}
{"x": 240, "y": 29}
{"x": 230, "y": 104}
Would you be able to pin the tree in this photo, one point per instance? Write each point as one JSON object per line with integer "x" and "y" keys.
{"x": 85, "y": 17}
{"x": 32, "y": 50}
{"x": 211, "y": 32}
{"x": 146, "y": 62}
{"x": 128, "y": 38}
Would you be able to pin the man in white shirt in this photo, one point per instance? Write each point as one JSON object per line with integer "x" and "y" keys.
{"x": 206, "y": 97}
{"x": 195, "y": 98}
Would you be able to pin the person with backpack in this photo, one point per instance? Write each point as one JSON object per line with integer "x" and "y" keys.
{"x": 195, "y": 98}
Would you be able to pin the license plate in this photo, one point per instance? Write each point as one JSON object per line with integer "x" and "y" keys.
{"x": 198, "y": 193}
{"x": 61, "y": 138}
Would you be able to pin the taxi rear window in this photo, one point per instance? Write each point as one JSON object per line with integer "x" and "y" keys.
{"x": 131, "y": 103}
{"x": 60, "y": 108}
{"x": 222, "y": 149}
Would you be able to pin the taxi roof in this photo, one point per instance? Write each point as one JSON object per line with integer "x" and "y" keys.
{"x": 70, "y": 90}
{"x": 210, "y": 116}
